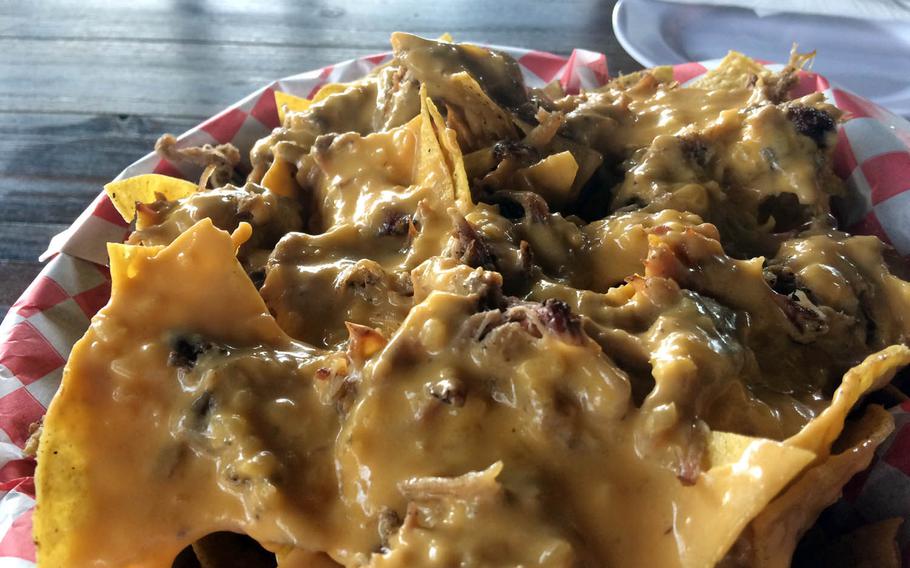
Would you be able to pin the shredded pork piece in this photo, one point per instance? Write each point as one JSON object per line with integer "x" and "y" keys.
{"x": 470, "y": 486}
{"x": 777, "y": 87}
{"x": 34, "y": 435}
{"x": 225, "y": 157}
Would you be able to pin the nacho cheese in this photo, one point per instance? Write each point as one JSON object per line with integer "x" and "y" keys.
{"x": 442, "y": 319}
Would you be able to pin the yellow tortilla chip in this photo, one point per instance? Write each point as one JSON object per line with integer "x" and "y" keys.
{"x": 724, "y": 448}
{"x": 79, "y": 455}
{"x": 280, "y": 179}
{"x": 329, "y": 89}
{"x": 446, "y": 37}
{"x": 553, "y": 178}
{"x": 289, "y": 103}
{"x": 777, "y": 530}
{"x": 733, "y": 72}
{"x": 125, "y": 193}
{"x": 744, "y": 476}
{"x": 448, "y": 144}
{"x": 483, "y": 116}
{"x": 874, "y": 372}
{"x": 663, "y": 74}
{"x": 479, "y": 163}
{"x": 125, "y": 258}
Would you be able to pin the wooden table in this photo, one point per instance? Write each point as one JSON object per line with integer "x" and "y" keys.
{"x": 86, "y": 87}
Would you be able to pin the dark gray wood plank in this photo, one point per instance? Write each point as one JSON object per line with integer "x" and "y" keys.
{"x": 15, "y": 276}
{"x": 129, "y": 77}
{"x": 541, "y": 24}
{"x": 191, "y": 61}
{"x": 24, "y": 241}
{"x": 52, "y": 166}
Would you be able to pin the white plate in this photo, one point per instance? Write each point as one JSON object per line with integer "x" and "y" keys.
{"x": 870, "y": 58}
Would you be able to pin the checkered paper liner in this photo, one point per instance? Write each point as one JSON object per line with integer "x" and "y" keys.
{"x": 873, "y": 155}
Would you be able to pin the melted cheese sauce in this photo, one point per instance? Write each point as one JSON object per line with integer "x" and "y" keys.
{"x": 423, "y": 380}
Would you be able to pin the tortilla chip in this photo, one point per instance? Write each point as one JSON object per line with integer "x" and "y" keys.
{"x": 745, "y": 476}
{"x": 663, "y": 74}
{"x": 152, "y": 288}
{"x": 280, "y": 180}
{"x": 482, "y": 114}
{"x": 725, "y": 448}
{"x": 874, "y": 372}
{"x": 449, "y": 149}
{"x": 553, "y": 90}
{"x": 777, "y": 530}
{"x": 733, "y": 72}
{"x": 429, "y": 155}
{"x": 125, "y": 193}
{"x": 479, "y": 163}
{"x": 329, "y": 89}
{"x": 289, "y": 103}
{"x": 553, "y": 178}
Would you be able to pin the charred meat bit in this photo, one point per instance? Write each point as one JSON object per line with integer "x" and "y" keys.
{"x": 148, "y": 214}
{"x": 361, "y": 276}
{"x": 812, "y": 122}
{"x": 491, "y": 298}
{"x": 776, "y": 87}
{"x": 558, "y": 317}
{"x": 389, "y": 522}
{"x": 448, "y": 391}
{"x": 343, "y": 394}
{"x": 470, "y": 248}
{"x": 395, "y": 224}
{"x": 516, "y": 150}
{"x": 553, "y": 316}
{"x": 186, "y": 349}
{"x": 807, "y": 319}
{"x": 520, "y": 205}
{"x": 694, "y": 149}
{"x": 510, "y": 209}
{"x": 781, "y": 279}
{"x": 526, "y": 256}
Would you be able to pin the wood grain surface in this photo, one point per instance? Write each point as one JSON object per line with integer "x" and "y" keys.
{"x": 86, "y": 87}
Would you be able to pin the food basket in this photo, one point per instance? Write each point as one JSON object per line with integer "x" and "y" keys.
{"x": 36, "y": 336}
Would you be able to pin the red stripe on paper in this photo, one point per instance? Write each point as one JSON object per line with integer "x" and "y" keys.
{"x": 688, "y": 71}
{"x": 44, "y": 293}
{"x": 887, "y": 175}
{"x": 28, "y": 354}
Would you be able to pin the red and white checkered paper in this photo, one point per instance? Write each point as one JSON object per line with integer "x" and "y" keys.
{"x": 873, "y": 155}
